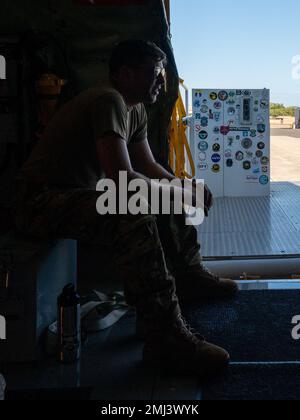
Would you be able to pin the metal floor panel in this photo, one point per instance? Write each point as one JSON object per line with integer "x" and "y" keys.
{"x": 249, "y": 227}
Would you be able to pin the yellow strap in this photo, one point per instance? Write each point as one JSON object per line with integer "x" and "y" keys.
{"x": 178, "y": 142}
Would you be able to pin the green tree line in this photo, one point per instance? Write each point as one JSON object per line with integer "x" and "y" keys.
{"x": 279, "y": 110}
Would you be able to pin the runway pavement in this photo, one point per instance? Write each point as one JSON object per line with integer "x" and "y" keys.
{"x": 279, "y": 132}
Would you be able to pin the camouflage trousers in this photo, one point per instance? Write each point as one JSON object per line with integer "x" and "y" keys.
{"x": 148, "y": 251}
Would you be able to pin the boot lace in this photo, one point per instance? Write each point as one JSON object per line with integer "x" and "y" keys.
{"x": 188, "y": 332}
{"x": 209, "y": 273}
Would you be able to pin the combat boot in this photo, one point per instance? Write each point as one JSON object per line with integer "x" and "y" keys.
{"x": 197, "y": 283}
{"x": 179, "y": 350}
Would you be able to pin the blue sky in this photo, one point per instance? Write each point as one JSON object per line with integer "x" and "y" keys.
{"x": 233, "y": 44}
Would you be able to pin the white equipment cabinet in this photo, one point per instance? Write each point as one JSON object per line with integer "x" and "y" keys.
{"x": 231, "y": 130}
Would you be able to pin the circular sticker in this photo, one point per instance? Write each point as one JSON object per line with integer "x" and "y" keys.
{"x": 223, "y": 95}
{"x": 265, "y": 160}
{"x": 218, "y": 105}
{"x": 203, "y": 135}
{"x": 247, "y": 143}
{"x": 259, "y": 154}
{"x": 228, "y": 153}
{"x": 253, "y": 133}
{"x": 216, "y": 130}
{"x": 261, "y": 128}
{"x": 239, "y": 156}
{"x": 216, "y": 168}
{"x": 216, "y": 158}
{"x": 231, "y": 111}
{"x": 197, "y": 103}
{"x": 264, "y": 180}
{"x": 229, "y": 163}
{"x": 261, "y": 145}
{"x": 204, "y": 101}
{"x": 238, "y": 137}
{"x": 202, "y": 156}
{"x": 247, "y": 165}
{"x": 203, "y": 146}
{"x": 265, "y": 169}
{"x": 204, "y": 109}
{"x": 213, "y": 96}
{"x": 216, "y": 147}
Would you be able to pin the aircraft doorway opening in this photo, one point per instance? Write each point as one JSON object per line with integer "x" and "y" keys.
{"x": 233, "y": 46}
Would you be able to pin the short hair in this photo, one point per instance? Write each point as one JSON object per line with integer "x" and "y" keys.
{"x": 132, "y": 52}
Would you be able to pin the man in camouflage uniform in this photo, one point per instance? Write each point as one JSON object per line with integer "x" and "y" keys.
{"x": 98, "y": 134}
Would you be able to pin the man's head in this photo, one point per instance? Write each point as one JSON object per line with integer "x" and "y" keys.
{"x": 138, "y": 69}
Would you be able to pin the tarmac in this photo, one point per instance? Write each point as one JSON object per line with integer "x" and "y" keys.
{"x": 285, "y": 155}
